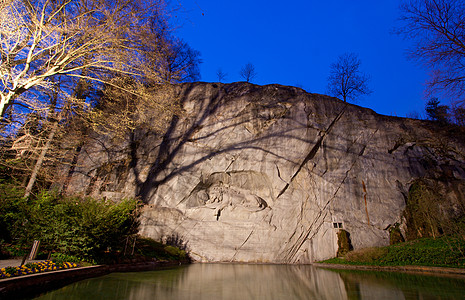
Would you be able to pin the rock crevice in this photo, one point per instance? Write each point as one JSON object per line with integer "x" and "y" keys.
{"x": 268, "y": 173}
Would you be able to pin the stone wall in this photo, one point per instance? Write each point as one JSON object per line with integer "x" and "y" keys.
{"x": 268, "y": 173}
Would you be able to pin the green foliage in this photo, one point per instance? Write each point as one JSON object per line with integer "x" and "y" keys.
{"x": 74, "y": 229}
{"x": 12, "y": 207}
{"x": 175, "y": 252}
{"x": 432, "y": 210}
{"x": 14, "y": 250}
{"x": 422, "y": 211}
{"x": 336, "y": 260}
{"x": 84, "y": 228}
{"x": 343, "y": 242}
{"x": 60, "y": 257}
{"x": 395, "y": 235}
{"x": 150, "y": 248}
{"x": 445, "y": 251}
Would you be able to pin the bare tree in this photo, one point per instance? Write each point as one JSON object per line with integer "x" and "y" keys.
{"x": 119, "y": 112}
{"x": 248, "y": 72}
{"x": 168, "y": 56}
{"x": 32, "y": 150}
{"x": 413, "y": 115}
{"x": 40, "y": 39}
{"x": 437, "y": 28}
{"x": 458, "y": 114}
{"x": 68, "y": 49}
{"x": 220, "y": 75}
{"x": 176, "y": 61}
{"x": 346, "y": 80}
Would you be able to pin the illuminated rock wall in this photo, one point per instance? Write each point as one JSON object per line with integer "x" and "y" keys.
{"x": 268, "y": 173}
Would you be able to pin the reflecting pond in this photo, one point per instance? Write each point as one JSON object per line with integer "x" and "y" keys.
{"x": 236, "y": 281}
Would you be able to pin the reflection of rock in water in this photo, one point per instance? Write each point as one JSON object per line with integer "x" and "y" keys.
{"x": 268, "y": 282}
{"x": 291, "y": 282}
{"x": 397, "y": 285}
{"x": 368, "y": 287}
{"x": 247, "y": 282}
{"x": 252, "y": 282}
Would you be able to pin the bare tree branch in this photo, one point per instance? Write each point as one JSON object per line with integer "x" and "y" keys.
{"x": 248, "y": 72}
{"x": 437, "y": 28}
{"x": 220, "y": 74}
{"x": 40, "y": 39}
{"x": 59, "y": 56}
{"x": 346, "y": 80}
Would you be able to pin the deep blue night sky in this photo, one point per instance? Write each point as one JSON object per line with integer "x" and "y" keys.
{"x": 294, "y": 43}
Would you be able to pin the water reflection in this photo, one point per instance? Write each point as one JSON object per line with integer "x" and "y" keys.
{"x": 222, "y": 281}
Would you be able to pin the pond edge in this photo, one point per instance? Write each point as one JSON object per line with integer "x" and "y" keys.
{"x": 35, "y": 284}
{"x": 426, "y": 270}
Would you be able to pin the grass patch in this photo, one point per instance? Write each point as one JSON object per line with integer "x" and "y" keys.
{"x": 439, "y": 252}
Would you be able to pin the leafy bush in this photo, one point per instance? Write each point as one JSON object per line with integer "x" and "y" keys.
{"x": 175, "y": 252}
{"x": 60, "y": 257}
{"x": 84, "y": 228}
{"x": 445, "y": 251}
{"x": 12, "y": 209}
{"x": 434, "y": 207}
{"x": 150, "y": 248}
{"x": 10, "y": 250}
{"x": 343, "y": 242}
{"x": 395, "y": 235}
{"x": 422, "y": 211}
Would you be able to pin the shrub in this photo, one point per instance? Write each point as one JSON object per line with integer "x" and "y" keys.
{"x": 444, "y": 251}
{"x": 84, "y": 228}
{"x": 12, "y": 211}
{"x": 60, "y": 257}
{"x": 175, "y": 252}
{"x": 343, "y": 242}
{"x": 422, "y": 211}
{"x": 150, "y": 248}
{"x": 367, "y": 255}
{"x": 395, "y": 235}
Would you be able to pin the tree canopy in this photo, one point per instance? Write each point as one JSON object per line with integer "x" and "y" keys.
{"x": 437, "y": 112}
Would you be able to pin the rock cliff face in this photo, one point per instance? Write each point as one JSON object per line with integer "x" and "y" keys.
{"x": 269, "y": 173}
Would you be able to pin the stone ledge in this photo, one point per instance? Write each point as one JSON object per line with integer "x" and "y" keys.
{"x": 406, "y": 269}
{"x": 35, "y": 284}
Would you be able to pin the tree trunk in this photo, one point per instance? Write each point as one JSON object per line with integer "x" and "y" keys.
{"x": 41, "y": 159}
{"x": 78, "y": 94}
